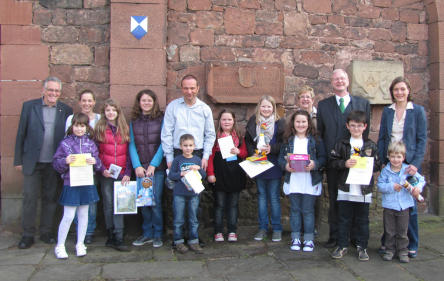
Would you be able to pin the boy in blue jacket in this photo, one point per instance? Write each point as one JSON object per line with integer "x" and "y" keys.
{"x": 397, "y": 197}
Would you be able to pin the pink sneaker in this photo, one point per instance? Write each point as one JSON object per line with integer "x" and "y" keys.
{"x": 219, "y": 237}
{"x": 232, "y": 237}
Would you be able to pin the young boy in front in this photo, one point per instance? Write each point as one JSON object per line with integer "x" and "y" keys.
{"x": 353, "y": 199}
{"x": 393, "y": 183}
{"x": 183, "y": 198}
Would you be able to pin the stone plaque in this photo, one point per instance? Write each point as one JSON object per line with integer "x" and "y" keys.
{"x": 372, "y": 79}
{"x": 245, "y": 83}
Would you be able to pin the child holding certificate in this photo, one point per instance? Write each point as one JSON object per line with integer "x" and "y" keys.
{"x": 75, "y": 197}
{"x": 353, "y": 199}
{"x": 227, "y": 176}
{"x": 302, "y": 186}
{"x": 112, "y": 136}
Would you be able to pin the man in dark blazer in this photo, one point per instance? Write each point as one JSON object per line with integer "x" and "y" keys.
{"x": 41, "y": 128}
{"x": 331, "y": 119}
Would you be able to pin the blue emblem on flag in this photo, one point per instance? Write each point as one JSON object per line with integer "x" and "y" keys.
{"x": 139, "y": 26}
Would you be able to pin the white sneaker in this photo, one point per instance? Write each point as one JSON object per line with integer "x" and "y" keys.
{"x": 81, "y": 250}
{"x": 60, "y": 252}
{"x": 295, "y": 245}
{"x": 308, "y": 246}
{"x": 219, "y": 237}
{"x": 232, "y": 237}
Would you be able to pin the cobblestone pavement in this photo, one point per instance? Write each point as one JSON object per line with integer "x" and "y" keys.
{"x": 244, "y": 260}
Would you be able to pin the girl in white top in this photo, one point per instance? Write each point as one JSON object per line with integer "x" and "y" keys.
{"x": 302, "y": 184}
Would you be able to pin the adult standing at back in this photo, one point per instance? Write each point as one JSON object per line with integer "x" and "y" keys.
{"x": 41, "y": 128}
{"x": 188, "y": 115}
{"x": 87, "y": 102}
{"x": 405, "y": 121}
{"x": 331, "y": 118}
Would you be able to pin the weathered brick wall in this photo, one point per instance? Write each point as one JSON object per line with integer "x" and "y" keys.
{"x": 78, "y": 34}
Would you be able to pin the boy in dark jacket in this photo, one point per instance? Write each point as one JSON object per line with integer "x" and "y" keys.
{"x": 353, "y": 199}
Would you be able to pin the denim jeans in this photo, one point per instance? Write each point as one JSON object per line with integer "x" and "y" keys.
{"x": 152, "y": 225}
{"x": 181, "y": 204}
{"x": 112, "y": 221}
{"x": 302, "y": 208}
{"x": 412, "y": 232}
{"x": 269, "y": 193}
{"x": 226, "y": 202}
{"x": 350, "y": 213}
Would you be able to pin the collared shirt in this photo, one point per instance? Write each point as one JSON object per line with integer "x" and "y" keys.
{"x": 180, "y": 119}
{"x": 346, "y": 100}
{"x": 398, "y": 125}
{"x": 47, "y": 151}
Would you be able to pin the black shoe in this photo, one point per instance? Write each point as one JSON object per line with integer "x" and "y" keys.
{"x": 88, "y": 239}
{"x": 331, "y": 243}
{"x": 26, "y": 242}
{"x": 119, "y": 246}
{"x": 47, "y": 238}
{"x": 110, "y": 240}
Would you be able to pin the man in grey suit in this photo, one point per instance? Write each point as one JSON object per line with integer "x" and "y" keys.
{"x": 41, "y": 128}
{"x": 331, "y": 119}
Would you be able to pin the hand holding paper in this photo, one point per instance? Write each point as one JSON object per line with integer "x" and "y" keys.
{"x": 225, "y": 145}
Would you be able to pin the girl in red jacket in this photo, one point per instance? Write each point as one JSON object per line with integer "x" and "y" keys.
{"x": 112, "y": 136}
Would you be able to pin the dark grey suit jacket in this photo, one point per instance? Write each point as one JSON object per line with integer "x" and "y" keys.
{"x": 30, "y": 133}
{"x": 330, "y": 125}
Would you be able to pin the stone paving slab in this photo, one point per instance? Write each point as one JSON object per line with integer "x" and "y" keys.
{"x": 152, "y": 270}
{"x": 262, "y": 275}
{"x": 67, "y": 272}
{"x": 322, "y": 273}
{"x": 223, "y": 267}
{"x": 15, "y": 256}
{"x": 16, "y": 272}
{"x": 427, "y": 270}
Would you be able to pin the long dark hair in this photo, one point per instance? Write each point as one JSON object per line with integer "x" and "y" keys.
{"x": 291, "y": 131}
{"x": 80, "y": 119}
{"x": 154, "y": 112}
{"x": 102, "y": 124}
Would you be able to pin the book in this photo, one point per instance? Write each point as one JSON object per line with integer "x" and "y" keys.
{"x": 298, "y": 162}
{"x": 145, "y": 192}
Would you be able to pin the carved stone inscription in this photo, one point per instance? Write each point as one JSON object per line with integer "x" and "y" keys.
{"x": 245, "y": 83}
{"x": 372, "y": 79}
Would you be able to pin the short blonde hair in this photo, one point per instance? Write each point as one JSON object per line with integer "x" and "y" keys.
{"x": 396, "y": 147}
{"x": 271, "y": 100}
{"x": 306, "y": 89}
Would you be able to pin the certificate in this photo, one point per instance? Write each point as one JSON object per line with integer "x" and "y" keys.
{"x": 125, "y": 198}
{"x": 362, "y": 172}
{"x": 81, "y": 173}
{"x": 193, "y": 181}
{"x": 255, "y": 168}
{"x": 225, "y": 145}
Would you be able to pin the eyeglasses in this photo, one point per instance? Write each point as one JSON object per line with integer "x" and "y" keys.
{"x": 306, "y": 97}
{"x": 52, "y": 90}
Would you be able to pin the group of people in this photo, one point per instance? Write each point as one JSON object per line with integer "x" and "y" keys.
{"x": 183, "y": 139}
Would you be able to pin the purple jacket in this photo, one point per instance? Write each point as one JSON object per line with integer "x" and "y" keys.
{"x": 74, "y": 145}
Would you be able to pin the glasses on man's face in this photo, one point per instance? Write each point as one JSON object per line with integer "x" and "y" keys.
{"x": 52, "y": 90}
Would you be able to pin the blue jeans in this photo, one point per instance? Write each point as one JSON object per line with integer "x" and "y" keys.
{"x": 269, "y": 193}
{"x": 412, "y": 232}
{"x": 226, "y": 202}
{"x": 302, "y": 208}
{"x": 152, "y": 225}
{"x": 180, "y": 205}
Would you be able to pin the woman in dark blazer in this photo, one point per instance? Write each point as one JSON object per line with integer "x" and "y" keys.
{"x": 405, "y": 121}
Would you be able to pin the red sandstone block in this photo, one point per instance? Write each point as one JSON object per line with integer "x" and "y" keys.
{"x": 390, "y": 14}
{"x": 60, "y": 34}
{"x": 250, "y": 4}
{"x": 91, "y": 74}
{"x": 410, "y": 16}
{"x": 203, "y": 37}
{"x": 239, "y": 21}
{"x": 138, "y": 66}
{"x": 423, "y": 49}
{"x": 216, "y": 54}
{"x": 432, "y": 11}
{"x": 336, "y": 19}
{"x": 315, "y": 19}
{"x": 121, "y": 20}
{"x": 296, "y": 42}
{"x": 15, "y": 12}
{"x": 79, "y": 54}
{"x": 92, "y": 34}
{"x": 24, "y": 62}
{"x": 399, "y": 31}
{"x": 59, "y": 17}
{"x": 379, "y": 34}
{"x": 403, "y": 3}
{"x": 12, "y": 180}
{"x": 206, "y": 19}
{"x": 14, "y": 93}
{"x": 285, "y": 5}
{"x": 94, "y": 3}
{"x": 346, "y": 7}
{"x": 101, "y": 55}
{"x": 8, "y": 133}
{"x": 178, "y": 33}
{"x": 267, "y": 55}
{"x": 295, "y": 23}
{"x": 62, "y": 71}
{"x": 436, "y": 121}
{"x": 436, "y": 32}
{"x": 199, "y": 5}
{"x": 253, "y": 41}
{"x": 19, "y": 34}
{"x": 436, "y": 71}
{"x": 316, "y": 57}
{"x": 177, "y": 5}
{"x": 266, "y": 28}
{"x": 436, "y": 101}
{"x": 369, "y": 12}
{"x": 417, "y": 31}
{"x": 139, "y": 1}
{"x": 41, "y": 16}
{"x": 382, "y": 3}
{"x": 319, "y": 6}
{"x": 126, "y": 94}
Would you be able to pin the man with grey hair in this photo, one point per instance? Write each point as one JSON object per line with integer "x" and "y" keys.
{"x": 331, "y": 119}
{"x": 41, "y": 128}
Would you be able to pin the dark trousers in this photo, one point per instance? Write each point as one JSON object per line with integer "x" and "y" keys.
{"x": 112, "y": 221}
{"x": 44, "y": 181}
{"x": 226, "y": 202}
{"x": 395, "y": 231}
{"x": 332, "y": 186}
{"x": 349, "y": 214}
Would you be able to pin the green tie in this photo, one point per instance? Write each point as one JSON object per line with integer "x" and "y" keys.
{"x": 341, "y": 105}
